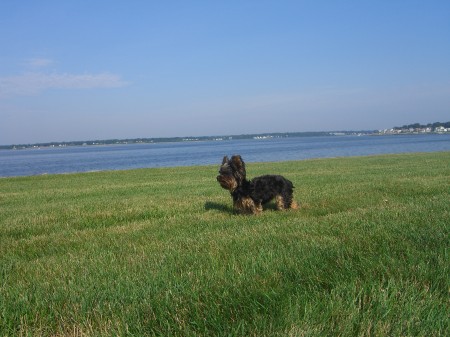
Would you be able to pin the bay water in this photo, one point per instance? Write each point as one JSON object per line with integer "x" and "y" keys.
{"x": 35, "y": 161}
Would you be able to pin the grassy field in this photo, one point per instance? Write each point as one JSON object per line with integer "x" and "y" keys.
{"x": 160, "y": 252}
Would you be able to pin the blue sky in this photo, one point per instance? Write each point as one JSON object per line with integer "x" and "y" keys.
{"x": 86, "y": 70}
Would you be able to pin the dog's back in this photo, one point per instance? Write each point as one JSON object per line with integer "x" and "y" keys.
{"x": 267, "y": 187}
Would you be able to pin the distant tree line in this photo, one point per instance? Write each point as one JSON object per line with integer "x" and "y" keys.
{"x": 212, "y": 138}
{"x": 158, "y": 140}
{"x": 421, "y": 126}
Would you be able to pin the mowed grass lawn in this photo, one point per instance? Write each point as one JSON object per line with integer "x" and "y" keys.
{"x": 160, "y": 252}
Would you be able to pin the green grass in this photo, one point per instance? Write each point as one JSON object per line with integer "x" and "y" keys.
{"x": 160, "y": 252}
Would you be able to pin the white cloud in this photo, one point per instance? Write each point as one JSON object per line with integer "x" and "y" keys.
{"x": 38, "y": 62}
{"x": 33, "y": 83}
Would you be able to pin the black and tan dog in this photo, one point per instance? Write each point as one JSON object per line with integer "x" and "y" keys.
{"x": 249, "y": 196}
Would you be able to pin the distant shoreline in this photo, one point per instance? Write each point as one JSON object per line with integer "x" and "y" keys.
{"x": 181, "y": 139}
{"x": 389, "y": 132}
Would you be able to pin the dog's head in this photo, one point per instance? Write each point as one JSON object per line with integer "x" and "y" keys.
{"x": 231, "y": 173}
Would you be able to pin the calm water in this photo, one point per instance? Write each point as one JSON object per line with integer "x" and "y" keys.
{"x": 120, "y": 157}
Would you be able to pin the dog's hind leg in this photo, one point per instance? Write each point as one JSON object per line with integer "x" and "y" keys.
{"x": 286, "y": 202}
{"x": 279, "y": 201}
{"x": 294, "y": 205}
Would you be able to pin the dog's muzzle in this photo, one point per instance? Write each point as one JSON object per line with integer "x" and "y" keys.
{"x": 226, "y": 182}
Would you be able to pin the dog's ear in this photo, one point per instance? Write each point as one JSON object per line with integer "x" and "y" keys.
{"x": 237, "y": 161}
{"x": 239, "y": 166}
{"x": 225, "y": 160}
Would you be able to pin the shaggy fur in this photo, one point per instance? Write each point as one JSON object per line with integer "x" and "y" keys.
{"x": 249, "y": 196}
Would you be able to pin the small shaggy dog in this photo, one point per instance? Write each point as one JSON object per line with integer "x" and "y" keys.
{"x": 249, "y": 196}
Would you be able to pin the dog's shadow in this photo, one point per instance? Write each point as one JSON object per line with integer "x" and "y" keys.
{"x": 210, "y": 205}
